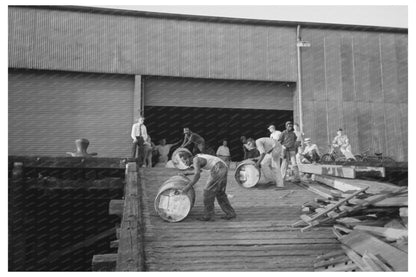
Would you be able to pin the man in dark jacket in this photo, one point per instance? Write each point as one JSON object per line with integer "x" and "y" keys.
{"x": 289, "y": 146}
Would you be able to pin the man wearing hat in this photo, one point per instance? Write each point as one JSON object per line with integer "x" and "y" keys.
{"x": 289, "y": 147}
{"x": 311, "y": 152}
{"x": 274, "y": 134}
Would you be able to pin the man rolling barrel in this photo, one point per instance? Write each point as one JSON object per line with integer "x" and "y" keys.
{"x": 215, "y": 186}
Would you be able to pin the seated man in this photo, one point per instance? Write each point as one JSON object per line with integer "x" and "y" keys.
{"x": 341, "y": 141}
{"x": 311, "y": 152}
{"x": 215, "y": 186}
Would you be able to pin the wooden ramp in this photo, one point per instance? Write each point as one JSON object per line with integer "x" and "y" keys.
{"x": 259, "y": 239}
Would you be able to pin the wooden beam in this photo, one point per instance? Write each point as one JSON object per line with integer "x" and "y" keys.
{"x": 114, "y": 243}
{"x": 83, "y": 244}
{"x": 326, "y": 169}
{"x": 357, "y": 259}
{"x": 69, "y": 162}
{"x": 360, "y": 242}
{"x": 130, "y": 249}
{"x": 116, "y": 207}
{"x": 346, "y": 185}
{"x": 391, "y": 234}
{"x": 104, "y": 262}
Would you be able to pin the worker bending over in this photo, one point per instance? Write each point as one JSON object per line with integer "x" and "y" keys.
{"x": 269, "y": 160}
{"x": 215, "y": 186}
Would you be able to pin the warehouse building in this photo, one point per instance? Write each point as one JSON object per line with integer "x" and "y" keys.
{"x": 78, "y": 72}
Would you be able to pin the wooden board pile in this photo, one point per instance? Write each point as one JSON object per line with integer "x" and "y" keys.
{"x": 369, "y": 218}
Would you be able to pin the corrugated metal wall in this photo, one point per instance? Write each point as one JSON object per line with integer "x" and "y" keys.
{"x": 80, "y": 41}
{"x": 49, "y": 110}
{"x": 185, "y": 92}
{"x": 356, "y": 81}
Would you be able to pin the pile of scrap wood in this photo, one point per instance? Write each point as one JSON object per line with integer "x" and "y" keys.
{"x": 369, "y": 218}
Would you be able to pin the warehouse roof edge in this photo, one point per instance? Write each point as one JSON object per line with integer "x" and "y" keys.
{"x": 217, "y": 19}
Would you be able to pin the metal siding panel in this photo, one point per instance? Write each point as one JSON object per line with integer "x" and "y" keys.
{"x": 361, "y": 67}
{"x": 309, "y": 126}
{"x": 90, "y": 42}
{"x": 318, "y": 51}
{"x": 394, "y": 138}
{"x": 350, "y": 125}
{"x": 321, "y": 124}
{"x": 375, "y": 90}
{"x": 333, "y": 66}
{"x": 217, "y": 94}
{"x": 389, "y": 64}
{"x": 347, "y": 68}
{"x": 379, "y": 127}
{"x": 61, "y": 107}
{"x": 402, "y": 74}
{"x": 365, "y": 126}
{"x": 403, "y": 108}
{"x": 307, "y": 70}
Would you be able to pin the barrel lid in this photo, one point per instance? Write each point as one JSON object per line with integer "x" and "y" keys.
{"x": 247, "y": 174}
{"x": 172, "y": 206}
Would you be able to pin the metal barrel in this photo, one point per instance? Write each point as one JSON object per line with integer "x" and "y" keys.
{"x": 177, "y": 161}
{"x": 171, "y": 205}
{"x": 248, "y": 175}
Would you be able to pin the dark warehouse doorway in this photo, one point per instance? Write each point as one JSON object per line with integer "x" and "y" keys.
{"x": 213, "y": 124}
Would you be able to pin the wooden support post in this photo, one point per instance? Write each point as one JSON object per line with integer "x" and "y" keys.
{"x": 130, "y": 250}
{"x": 105, "y": 262}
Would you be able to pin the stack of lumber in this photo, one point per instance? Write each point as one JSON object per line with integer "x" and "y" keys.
{"x": 369, "y": 218}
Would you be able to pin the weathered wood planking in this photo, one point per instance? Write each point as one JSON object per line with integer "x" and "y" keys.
{"x": 332, "y": 170}
{"x": 116, "y": 207}
{"x": 361, "y": 242}
{"x": 259, "y": 239}
{"x": 349, "y": 184}
{"x": 69, "y": 162}
{"x": 130, "y": 248}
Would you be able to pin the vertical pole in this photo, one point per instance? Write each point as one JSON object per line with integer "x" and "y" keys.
{"x": 299, "y": 79}
{"x": 137, "y": 97}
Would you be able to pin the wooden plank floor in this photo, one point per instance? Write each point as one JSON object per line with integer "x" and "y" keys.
{"x": 259, "y": 239}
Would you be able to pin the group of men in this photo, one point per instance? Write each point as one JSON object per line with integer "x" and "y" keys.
{"x": 288, "y": 146}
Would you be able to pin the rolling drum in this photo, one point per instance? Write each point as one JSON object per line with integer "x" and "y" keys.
{"x": 171, "y": 205}
{"x": 248, "y": 175}
{"x": 177, "y": 161}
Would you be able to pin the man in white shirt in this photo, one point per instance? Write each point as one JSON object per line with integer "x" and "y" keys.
{"x": 139, "y": 136}
{"x": 269, "y": 160}
{"x": 311, "y": 152}
{"x": 274, "y": 134}
{"x": 223, "y": 152}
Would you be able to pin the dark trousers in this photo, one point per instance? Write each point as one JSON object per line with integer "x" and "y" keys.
{"x": 215, "y": 188}
{"x": 139, "y": 145}
{"x": 312, "y": 156}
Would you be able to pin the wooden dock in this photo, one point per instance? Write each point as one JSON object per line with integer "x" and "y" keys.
{"x": 259, "y": 239}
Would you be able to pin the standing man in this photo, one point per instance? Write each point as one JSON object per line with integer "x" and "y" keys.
{"x": 288, "y": 141}
{"x": 274, "y": 134}
{"x": 215, "y": 186}
{"x": 163, "y": 151}
{"x": 195, "y": 139}
{"x": 269, "y": 160}
{"x": 139, "y": 136}
{"x": 223, "y": 152}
